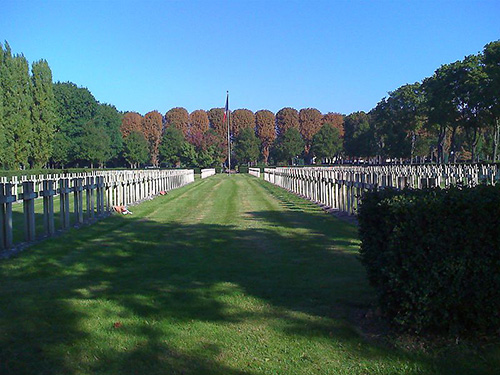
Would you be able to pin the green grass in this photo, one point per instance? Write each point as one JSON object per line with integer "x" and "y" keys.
{"x": 228, "y": 275}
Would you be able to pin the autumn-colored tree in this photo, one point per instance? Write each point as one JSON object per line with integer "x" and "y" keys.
{"x": 336, "y": 120}
{"x": 309, "y": 125}
{"x": 178, "y": 117}
{"x": 152, "y": 126}
{"x": 216, "y": 121}
{"x": 198, "y": 125}
{"x": 131, "y": 122}
{"x": 241, "y": 119}
{"x": 286, "y": 118}
{"x": 265, "y": 129}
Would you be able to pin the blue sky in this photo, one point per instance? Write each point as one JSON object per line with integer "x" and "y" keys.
{"x": 337, "y": 56}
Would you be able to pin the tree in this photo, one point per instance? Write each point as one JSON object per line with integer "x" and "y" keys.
{"x": 289, "y": 145}
{"x": 309, "y": 124}
{"x": 171, "y": 146}
{"x": 358, "y": 137}
{"x": 17, "y": 101}
{"x": 198, "y": 125}
{"x": 241, "y": 119}
{"x": 131, "y": 122}
{"x": 265, "y": 129}
{"x": 135, "y": 149}
{"x": 61, "y": 149}
{"x": 491, "y": 61}
{"x": 286, "y": 118}
{"x": 327, "y": 143}
{"x": 75, "y": 107}
{"x": 188, "y": 155}
{"x": 336, "y": 120}
{"x": 217, "y": 123}
{"x": 179, "y": 118}
{"x": 398, "y": 120}
{"x": 152, "y": 126}
{"x": 110, "y": 120}
{"x": 95, "y": 145}
{"x": 43, "y": 113}
{"x": 3, "y": 144}
{"x": 246, "y": 148}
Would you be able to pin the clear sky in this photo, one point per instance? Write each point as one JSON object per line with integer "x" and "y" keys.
{"x": 337, "y": 56}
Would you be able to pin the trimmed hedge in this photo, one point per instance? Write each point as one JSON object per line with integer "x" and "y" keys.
{"x": 434, "y": 257}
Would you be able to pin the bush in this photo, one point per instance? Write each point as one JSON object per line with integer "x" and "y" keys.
{"x": 434, "y": 257}
{"x": 242, "y": 169}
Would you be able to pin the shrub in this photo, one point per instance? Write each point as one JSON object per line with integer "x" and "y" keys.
{"x": 434, "y": 257}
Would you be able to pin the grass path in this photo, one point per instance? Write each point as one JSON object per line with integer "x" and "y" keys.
{"x": 228, "y": 275}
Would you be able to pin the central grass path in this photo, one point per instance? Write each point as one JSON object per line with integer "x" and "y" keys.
{"x": 229, "y": 275}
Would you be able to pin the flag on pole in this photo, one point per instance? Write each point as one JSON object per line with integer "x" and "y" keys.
{"x": 227, "y": 108}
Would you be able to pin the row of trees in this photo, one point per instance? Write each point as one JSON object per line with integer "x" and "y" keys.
{"x": 200, "y": 137}
{"x": 43, "y": 123}
{"x": 453, "y": 114}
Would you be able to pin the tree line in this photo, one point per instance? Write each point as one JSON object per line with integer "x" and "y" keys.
{"x": 452, "y": 115}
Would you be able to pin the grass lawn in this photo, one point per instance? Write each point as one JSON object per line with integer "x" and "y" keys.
{"x": 228, "y": 275}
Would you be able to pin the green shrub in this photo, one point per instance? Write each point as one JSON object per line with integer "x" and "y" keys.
{"x": 434, "y": 257}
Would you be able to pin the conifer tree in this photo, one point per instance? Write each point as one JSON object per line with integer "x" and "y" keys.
{"x": 43, "y": 113}
{"x": 16, "y": 88}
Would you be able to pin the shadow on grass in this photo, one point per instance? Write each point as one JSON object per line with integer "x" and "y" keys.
{"x": 96, "y": 300}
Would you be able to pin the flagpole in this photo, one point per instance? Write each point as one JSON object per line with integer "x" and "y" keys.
{"x": 228, "y": 134}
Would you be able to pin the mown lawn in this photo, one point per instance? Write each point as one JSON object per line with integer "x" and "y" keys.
{"x": 228, "y": 275}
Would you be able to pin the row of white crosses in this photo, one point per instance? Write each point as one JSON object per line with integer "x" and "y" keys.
{"x": 254, "y": 172}
{"x": 102, "y": 190}
{"x": 341, "y": 187}
{"x": 207, "y": 172}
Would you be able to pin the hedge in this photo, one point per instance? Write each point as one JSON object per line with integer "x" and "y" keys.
{"x": 434, "y": 257}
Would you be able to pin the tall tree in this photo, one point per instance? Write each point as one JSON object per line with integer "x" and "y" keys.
{"x": 75, "y": 107}
{"x": 43, "y": 113}
{"x": 198, "y": 125}
{"x": 95, "y": 144}
{"x": 246, "y": 148}
{"x": 152, "y": 126}
{"x": 217, "y": 123}
{"x": 336, "y": 120}
{"x": 17, "y": 101}
{"x": 135, "y": 149}
{"x": 358, "y": 137}
{"x": 179, "y": 118}
{"x": 491, "y": 61}
{"x": 286, "y": 118}
{"x": 398, "y": 120}
{"x": 241, "y": 119}
{"x": 327, "y": 143}
{"x": 131, "y": 122}
{"x": 110, "y": 119}
{"x": 289, "y": 145}
{"x": 266, "y": 131}
{"x": 171, "y": 146}
{"x": 309, "y": 124}
{"x": 3, "y": 145}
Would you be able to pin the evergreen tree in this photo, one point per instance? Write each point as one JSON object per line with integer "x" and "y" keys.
{"x": 2, "y": 129}
{"x": 43, "y": 113}
{"x": 16, "y": 90}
